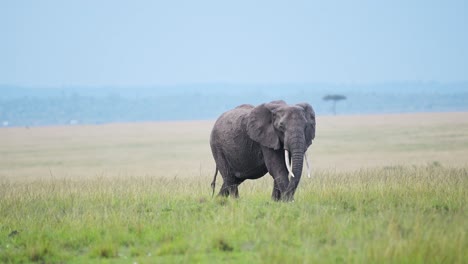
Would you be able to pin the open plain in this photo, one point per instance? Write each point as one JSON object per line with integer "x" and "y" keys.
{"x": 384, "y": 189}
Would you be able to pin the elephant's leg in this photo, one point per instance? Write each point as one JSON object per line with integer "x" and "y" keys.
{"x": 230, "y": 182}
{"x": 234, "y": 191}
{"x": 229, "y": 189}
{"x": 274, "y": 161}
{"x": 276, "y": 194}
{"x": 224, "y": 191}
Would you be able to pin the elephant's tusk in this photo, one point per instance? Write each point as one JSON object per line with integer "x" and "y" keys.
{"x": 307, "y": 164}
{"x": 286, "y": 160}
{"x": 291, "y": 166}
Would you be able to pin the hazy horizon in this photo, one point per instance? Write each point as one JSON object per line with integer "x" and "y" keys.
{"x": 108, "y": 43}
{"x": 79, "y": 105}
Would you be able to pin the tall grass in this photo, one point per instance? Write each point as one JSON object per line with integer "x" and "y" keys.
{"x": 410, "y": 214}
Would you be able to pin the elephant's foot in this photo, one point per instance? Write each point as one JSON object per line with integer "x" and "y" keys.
{"x": 287, "y": 197}
{"x": 276, "y": 195}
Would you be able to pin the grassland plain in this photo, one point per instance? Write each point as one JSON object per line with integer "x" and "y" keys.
{"x": 385, "y": 189}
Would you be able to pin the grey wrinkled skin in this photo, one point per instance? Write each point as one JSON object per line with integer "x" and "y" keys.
{"x": 247, "y": 142}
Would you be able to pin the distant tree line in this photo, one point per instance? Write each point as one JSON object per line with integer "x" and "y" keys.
{"x": 38, "y": 107}
{"x": 76, "y": 109}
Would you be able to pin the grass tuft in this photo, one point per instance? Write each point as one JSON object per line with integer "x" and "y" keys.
{"x": 222, "y": 245}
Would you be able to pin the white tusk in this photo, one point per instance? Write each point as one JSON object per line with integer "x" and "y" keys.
{"x": 286, "y": 160}
{"x": 291, "y": 167}
{"x": 307, "y": 164}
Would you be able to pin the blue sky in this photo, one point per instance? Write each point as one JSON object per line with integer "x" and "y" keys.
{"x": 124, "y": 43}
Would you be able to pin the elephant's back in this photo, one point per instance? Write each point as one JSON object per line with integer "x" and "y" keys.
{"x": 245, "y": 107}
{"x": 230, "y": 130}
{"x": 232, "y": 123}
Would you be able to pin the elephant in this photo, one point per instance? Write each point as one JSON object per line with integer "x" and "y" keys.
{"x": 248, "y": 141}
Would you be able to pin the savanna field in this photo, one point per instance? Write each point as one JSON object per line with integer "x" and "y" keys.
{"x": 384, "y": 189}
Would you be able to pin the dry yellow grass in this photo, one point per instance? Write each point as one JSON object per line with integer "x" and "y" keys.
{"x": 354, "y": 142}
{"x": 181, "y": 149}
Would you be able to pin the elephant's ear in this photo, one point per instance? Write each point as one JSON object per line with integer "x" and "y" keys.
{"x": 310, "y": 125}
{"x": 260, "y": 125}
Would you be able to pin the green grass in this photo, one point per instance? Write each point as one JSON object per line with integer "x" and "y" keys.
{"x": 387, "y": 215}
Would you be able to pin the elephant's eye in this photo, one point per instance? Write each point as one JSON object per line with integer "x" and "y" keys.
{"x": 281, "y": 126}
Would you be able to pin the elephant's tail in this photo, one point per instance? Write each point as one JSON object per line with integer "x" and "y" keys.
{"x": 213, "y": 183}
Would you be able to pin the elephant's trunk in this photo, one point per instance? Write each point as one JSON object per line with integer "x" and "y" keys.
{"x": 288, "y": 165}
{"x": 297, "y": 161}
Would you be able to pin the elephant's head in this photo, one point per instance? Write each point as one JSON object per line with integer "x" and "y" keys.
{"x": 277, "y": 125}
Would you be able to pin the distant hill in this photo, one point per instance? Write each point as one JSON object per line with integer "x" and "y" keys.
{"x": 36, "y": 106}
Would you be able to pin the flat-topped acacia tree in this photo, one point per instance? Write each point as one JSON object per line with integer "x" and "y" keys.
{"x": 335, "y": 98}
